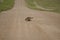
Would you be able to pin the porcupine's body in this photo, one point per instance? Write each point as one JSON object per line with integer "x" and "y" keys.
{"x": 28, "y": 18}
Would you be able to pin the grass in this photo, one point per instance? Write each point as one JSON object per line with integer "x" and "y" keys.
{"x": 6, "y": 4}
{"x": 44, "y": 5}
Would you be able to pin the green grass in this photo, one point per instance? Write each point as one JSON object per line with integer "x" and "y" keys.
{"x": 44, "y": 5}
{"x": 6, "y": 4}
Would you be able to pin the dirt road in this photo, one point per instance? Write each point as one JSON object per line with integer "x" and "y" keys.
{"x": 44, "y": 25}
